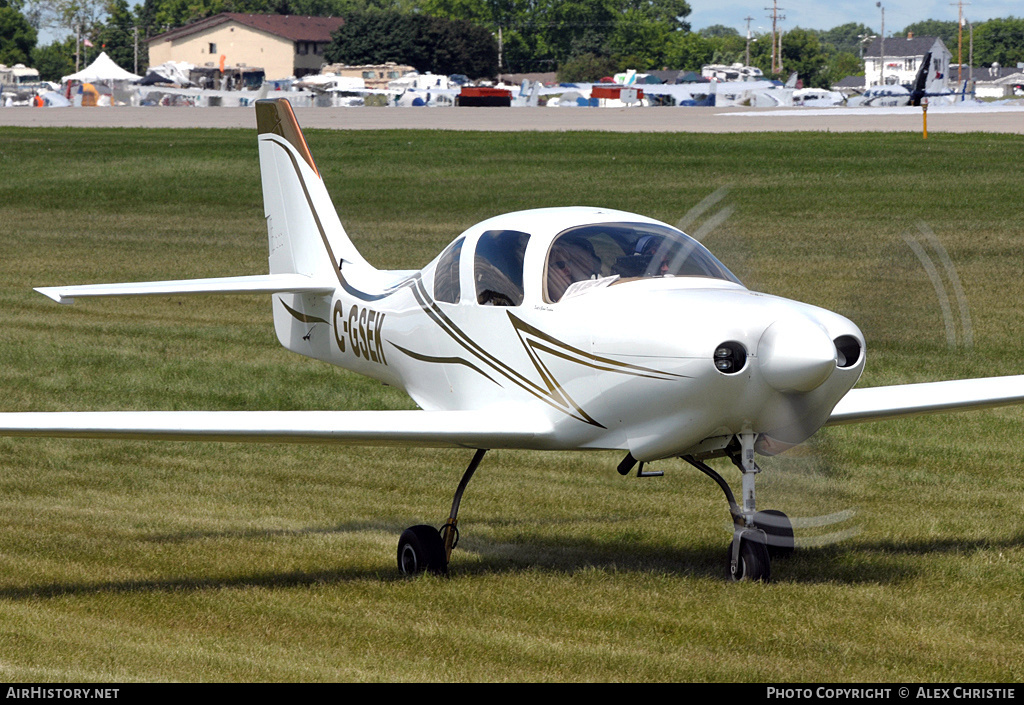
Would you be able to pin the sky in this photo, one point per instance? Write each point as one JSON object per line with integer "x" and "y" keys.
{"x": 814, "y": 14}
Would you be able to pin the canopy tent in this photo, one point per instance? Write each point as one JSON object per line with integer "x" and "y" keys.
{"x": 102, "y": 69}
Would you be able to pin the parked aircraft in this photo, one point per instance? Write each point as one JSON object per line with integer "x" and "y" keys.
{"x": 555, "y": 329}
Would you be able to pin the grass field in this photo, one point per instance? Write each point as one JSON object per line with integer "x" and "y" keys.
{"x": 203, "y": 562}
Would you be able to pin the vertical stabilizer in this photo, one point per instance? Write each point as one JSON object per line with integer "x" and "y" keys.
{"x": 922, "y": 81}
{"x": 305, "y": 234}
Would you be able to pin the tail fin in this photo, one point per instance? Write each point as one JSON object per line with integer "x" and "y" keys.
{"x": 306, "y": 237}
{"x": 305, "y": 234}
{"x": 922, "y": 80}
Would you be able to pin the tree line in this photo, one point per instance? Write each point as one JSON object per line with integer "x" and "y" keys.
{"x": 579, "y": 39}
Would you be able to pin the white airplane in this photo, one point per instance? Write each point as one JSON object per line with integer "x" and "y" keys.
{"x": 554, "y": 329}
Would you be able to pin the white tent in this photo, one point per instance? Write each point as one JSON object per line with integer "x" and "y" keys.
{"x": 102, "y": 69}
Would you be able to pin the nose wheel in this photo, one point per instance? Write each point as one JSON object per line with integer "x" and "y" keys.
{"x": 750, "y": 562}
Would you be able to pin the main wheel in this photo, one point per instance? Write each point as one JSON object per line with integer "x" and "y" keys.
{"x": 420, "y": 548}
{"x": 779, "y": 529}
{"x": 754, "y": 563}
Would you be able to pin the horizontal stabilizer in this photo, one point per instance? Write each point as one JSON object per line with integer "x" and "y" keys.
{"x": 259, "y": 284}
{"x": 452, "y": 429}
{"x": 879, "y": 403}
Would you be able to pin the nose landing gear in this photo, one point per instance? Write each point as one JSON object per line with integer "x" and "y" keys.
{"x": 757, "y": 536}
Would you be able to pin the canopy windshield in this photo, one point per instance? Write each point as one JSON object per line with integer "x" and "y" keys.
{"x": 611, "y": 252}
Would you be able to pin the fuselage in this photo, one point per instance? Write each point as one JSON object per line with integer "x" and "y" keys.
{"x": 645, "y": 361}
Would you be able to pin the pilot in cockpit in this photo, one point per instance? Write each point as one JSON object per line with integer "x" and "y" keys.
{"x": 652, "y": 257}
{"x": 570, "y": 261}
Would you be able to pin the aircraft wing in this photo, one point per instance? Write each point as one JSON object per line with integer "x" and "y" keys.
{"x": 879, "y": 403}
{"x": 678, "y": 90}
{"x": 259, "y": 284}
{"x": 441, "y": 429}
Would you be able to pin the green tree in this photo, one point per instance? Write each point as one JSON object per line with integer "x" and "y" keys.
{"x": 840, "y": 66}
{"x": 639, "y": 41}
{"x": 719, "y": 30}
{"x": 372, "y": 38}
{"x": 56, "y": 60}
{"x": 689, "y": 50}
{"x": 670, "y": 12}
{"x": 999, "y": 41}
{"x": 586, "y": 68}
{"x": 946, "y": 31}
{"x": 731, "y": 49}
{"x": 83, "y": 15}
{"x": 117, "y": 37}
{"x": 429, "y": 44}
{"x": 481, "y": 12}
{"x": 17, "y": 37}
{"x": 578, "y": 27}
{"x": 539, "y": 35}
{"x": 849, "y": 37}
{"x": 453, "y": 46}
{"x": 801, "y": 52}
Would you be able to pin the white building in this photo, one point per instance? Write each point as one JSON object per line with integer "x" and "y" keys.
{"x": 896, "y": 60}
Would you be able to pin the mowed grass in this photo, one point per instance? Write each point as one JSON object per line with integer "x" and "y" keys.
{"x": 206, "y": 562}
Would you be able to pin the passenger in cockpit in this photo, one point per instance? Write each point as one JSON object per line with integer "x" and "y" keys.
{"x": 570, "y": 261}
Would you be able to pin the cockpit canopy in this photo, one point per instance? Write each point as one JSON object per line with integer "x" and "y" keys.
{"x": 570, "y": 262}
{"x": 606, "y": 253}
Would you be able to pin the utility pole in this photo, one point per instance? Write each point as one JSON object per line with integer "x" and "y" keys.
{"x": 780, "y": 51}
{"x": 776, "y": 18}
{"x": 960, "y": 42}
{"x": 500, "y": 50}
{"x": 881, "y": 58}
{"x": 749, "y": 20}
{"x": 970, "y": 55}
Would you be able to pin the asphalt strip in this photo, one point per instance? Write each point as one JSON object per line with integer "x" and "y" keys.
{"x": 1007, "y": 118}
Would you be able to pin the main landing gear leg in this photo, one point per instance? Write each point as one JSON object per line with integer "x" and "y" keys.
{"x": 424, "y": 548}
{"x": 757, "y": 536}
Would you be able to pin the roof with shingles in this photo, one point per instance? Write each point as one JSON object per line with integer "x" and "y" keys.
{"x": 901, "y": 46}
{"x": 293, "y": 27}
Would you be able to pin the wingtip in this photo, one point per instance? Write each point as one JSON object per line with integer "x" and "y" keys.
{"x": 53, "y": 292}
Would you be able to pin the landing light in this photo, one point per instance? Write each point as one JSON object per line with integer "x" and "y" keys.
{"x": 730, "y": 358}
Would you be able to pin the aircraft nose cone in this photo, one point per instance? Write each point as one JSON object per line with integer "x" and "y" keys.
{"x": 796, "y": 355}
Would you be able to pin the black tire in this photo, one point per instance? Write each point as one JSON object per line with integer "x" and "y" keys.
{"x": 420, "y": 549}
{"x": 779, "y": 529}
{"x": 755, "y": 564}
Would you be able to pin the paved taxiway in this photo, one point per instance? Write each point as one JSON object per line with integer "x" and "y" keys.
{"x": 1006, "y": 119}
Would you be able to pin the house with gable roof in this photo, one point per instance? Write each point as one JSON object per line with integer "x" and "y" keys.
{"x": 283, "y": 45}
{"x": 898, "y": 60}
